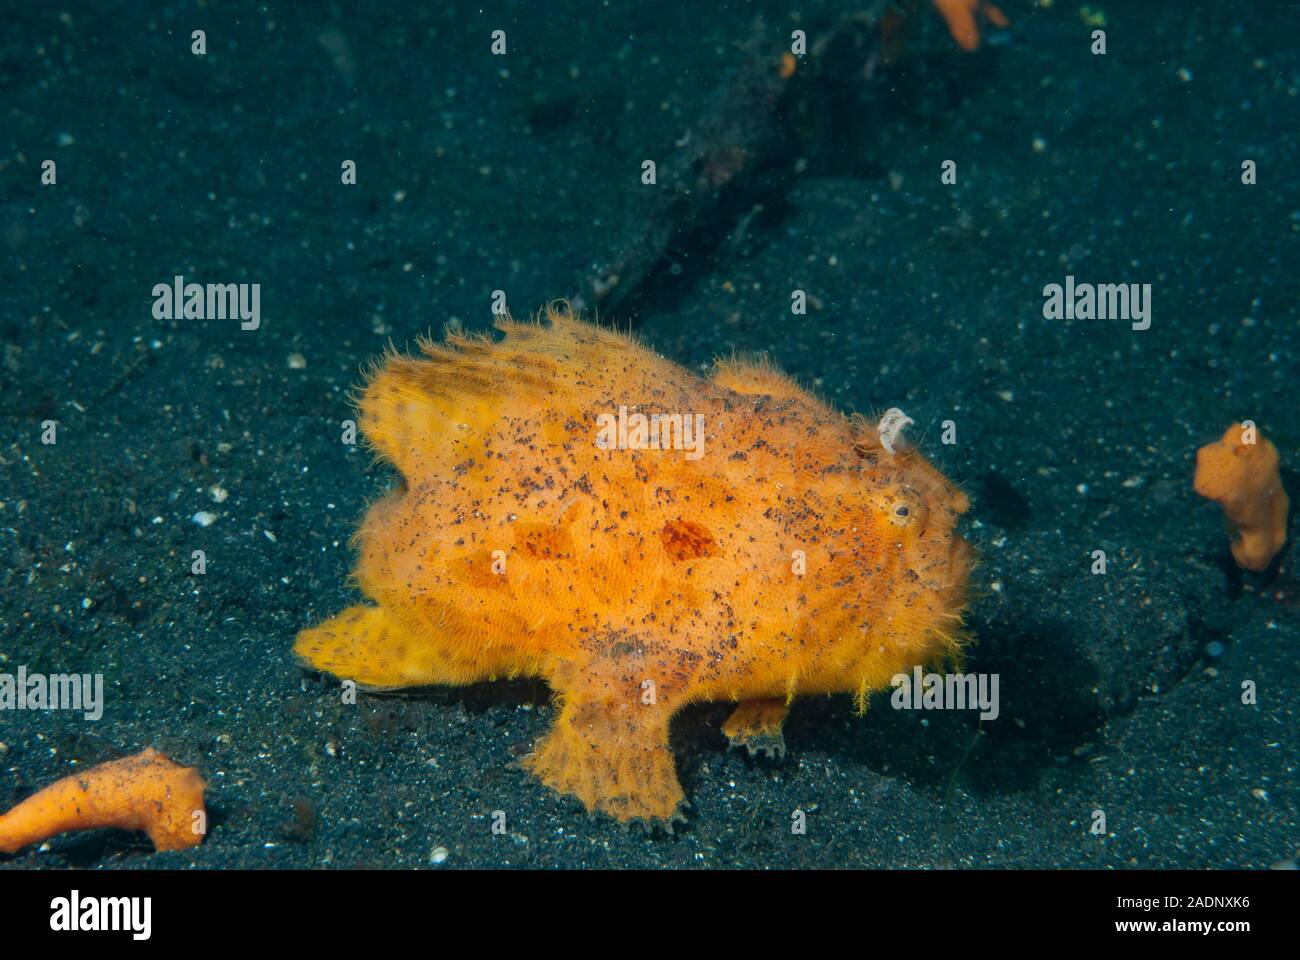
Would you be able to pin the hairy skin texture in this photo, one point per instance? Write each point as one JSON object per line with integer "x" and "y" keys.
{"x": 636, "y": 581}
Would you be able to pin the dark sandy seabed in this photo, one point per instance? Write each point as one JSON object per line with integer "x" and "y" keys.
{"x": 1119, "y": 692}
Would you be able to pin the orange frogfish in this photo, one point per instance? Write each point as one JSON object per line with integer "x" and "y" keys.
{"x": 580, "y": 509}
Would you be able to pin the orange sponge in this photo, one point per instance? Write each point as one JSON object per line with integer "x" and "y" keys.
{"x": 961, "y": 17}
{"x": 1240, "y": 473}
{"x": 148, "y": 792}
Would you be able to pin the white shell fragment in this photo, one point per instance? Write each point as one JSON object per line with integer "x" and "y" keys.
{"x": 891, "y": 427}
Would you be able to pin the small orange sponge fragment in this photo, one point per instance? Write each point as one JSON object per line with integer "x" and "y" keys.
{"x": 962, "y": 19}
{"x": 148, "y": 792}
{"x": 1240, "y": 473}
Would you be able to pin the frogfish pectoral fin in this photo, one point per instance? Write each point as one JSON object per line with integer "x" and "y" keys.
{"x": 614, "y": 757}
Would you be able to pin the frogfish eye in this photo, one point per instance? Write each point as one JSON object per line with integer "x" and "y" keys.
{"x": 905, "y": 508}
